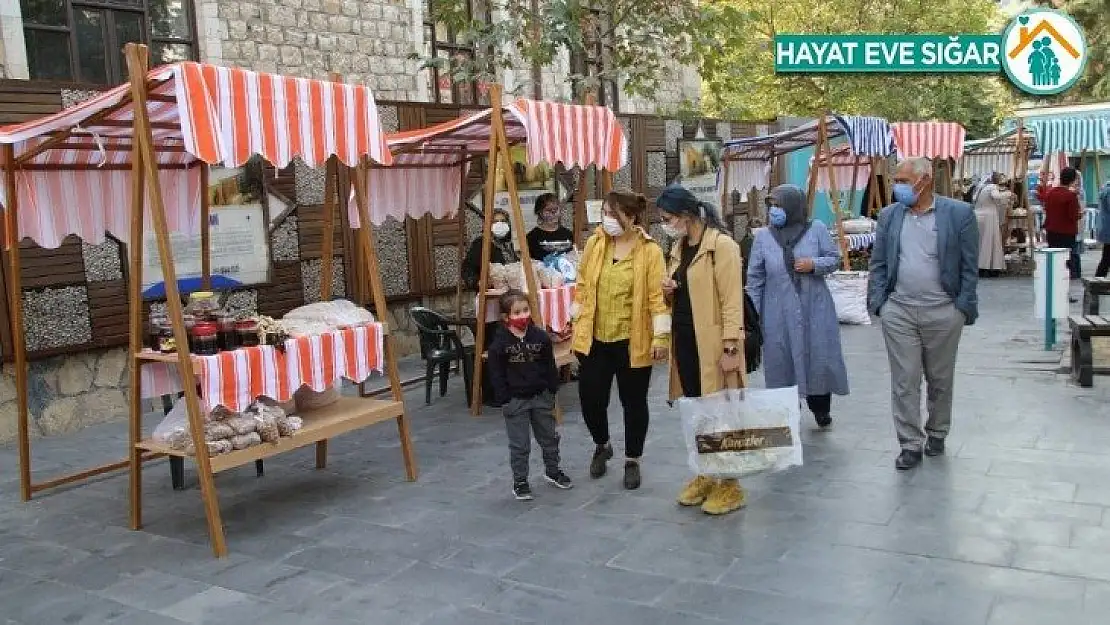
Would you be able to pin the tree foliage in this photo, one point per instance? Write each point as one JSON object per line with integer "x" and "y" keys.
{"x": 1094, "y": 17}
{"x": 738, "y": 66}
{"x": 641, "y": 38}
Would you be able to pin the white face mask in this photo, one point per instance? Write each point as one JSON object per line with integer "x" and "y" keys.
{"x": 611, "y": 226}
{"x": 673, "y": 232}
{"x": 500, "y": 229}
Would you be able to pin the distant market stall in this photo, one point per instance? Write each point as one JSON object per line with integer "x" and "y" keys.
{"x": 941, "y": 142}
{"x": 141, "y": 151}
{"x": 1007, "y": 153}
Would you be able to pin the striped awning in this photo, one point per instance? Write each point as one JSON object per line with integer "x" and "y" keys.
{"x": 997, "y": 154}
{"x": 845, "y": 164}
{"x": 425, "y": 177}
{"x": 867, "y": 136}
{"x": 766, "y": 147}
{"x": 929, "y": 139}
{"x": 73, "y": 177}
{"x": 1073, "y": 135}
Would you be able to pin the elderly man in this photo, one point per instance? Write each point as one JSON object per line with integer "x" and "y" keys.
{"x": 924, "y": 272}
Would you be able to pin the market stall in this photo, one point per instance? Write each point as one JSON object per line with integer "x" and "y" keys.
{"x": 570, "y": 135}
{"x": 941, "y": 142}
{"x": 1007, "y": 153}
{"x": 147, "y": 145}
{"x": 1063, "y": 141}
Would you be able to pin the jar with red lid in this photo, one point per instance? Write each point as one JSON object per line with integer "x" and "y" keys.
{"x": 203, "y": 339}
{"x": 154, "y": 331}
{"x": 227, "y": 338}
{"x": 246, "y": 331}
{"x": 190, "y": 322}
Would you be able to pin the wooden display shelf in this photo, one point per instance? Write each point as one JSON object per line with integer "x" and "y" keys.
{"x": 345, "y": 415}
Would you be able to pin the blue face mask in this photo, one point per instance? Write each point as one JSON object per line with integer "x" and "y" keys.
{"x": 904, "y": 193}
{"x": 777, "y": 216}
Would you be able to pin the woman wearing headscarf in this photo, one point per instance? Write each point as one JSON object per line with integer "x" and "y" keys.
{"x": 703, "y": 288}
{"x": 992, "y": 209}
{"x": 621, "y": 324}
{"x": 501, "y": 253}
{"x": 786, "y": 281}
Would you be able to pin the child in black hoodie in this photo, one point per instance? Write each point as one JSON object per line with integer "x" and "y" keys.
{"x": 522, "y": 370}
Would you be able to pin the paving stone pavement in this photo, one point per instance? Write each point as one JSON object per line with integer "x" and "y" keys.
{"x": 1010, "y": 528}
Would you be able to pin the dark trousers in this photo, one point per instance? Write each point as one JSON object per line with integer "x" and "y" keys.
{"x": 819, "y": 404}
{"x": 685, "y": 347}
{"x": 1066, "y": 241}
{"x": 1104, "y": 262}
{"x": 525, "y": 418}
{"x": 595, "y": 383}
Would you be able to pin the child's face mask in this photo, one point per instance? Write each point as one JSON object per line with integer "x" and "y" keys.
{"x": 519, "y": 323}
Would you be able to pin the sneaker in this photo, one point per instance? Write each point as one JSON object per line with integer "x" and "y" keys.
{"x": 631, "y": 475}
{"x": 725, "y": 497}
{"x": 522, "y": 491}
{"x": 696, "y": 491}
{"x": 601, "y": 455}
{"x": 558, "y": 480}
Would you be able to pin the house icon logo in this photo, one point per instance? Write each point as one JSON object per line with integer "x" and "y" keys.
{"x": 1044, "y": 51}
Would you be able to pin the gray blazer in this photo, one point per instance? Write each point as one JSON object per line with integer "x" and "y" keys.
{"x": 957, "y": 249}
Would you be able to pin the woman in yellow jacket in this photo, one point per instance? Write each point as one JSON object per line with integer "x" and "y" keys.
{"x": 621, "y": 323}
{"x": 706, "y": 294}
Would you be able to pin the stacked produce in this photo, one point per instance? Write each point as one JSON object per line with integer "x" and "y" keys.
{"x": 225, "y": 431}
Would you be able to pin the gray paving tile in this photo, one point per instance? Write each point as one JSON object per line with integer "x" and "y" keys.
{"x": 674, "y": 562}
{"x": 368, "y": 567}
{"x": 997, "y": 505}
{"x": 1085, "y": 563}
{"x": 49, "y": 602}
{"x": 1025, "y": 612}
{"x": 152, "y": 590}
{"x": 219, "y": 605}
{"x": 738, "y": 605}
{"x": 602, "y": 581}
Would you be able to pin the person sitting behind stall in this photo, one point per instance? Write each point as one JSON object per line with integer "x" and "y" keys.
{"x": 549, "y": 236}
{"x": 502, "y": 251}
{"x": 522, "y": 368}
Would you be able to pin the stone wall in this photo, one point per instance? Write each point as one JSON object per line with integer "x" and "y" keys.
{"x": 68, "y": 392}
{"x": 366, "y": 41}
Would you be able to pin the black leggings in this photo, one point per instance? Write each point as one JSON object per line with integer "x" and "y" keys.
{"x": 1104, "y": 262}
{"x": 596, "y": 371}
{"x": 685, "y": 346}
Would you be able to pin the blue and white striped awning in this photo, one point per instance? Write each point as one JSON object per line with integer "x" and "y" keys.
{"x": 1073, "y": 135}
{"x": 868, "y": 136}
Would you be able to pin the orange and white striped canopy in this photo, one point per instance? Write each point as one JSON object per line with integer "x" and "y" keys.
{"x": 199, "y": 113}
{"x": 574, "y": 135}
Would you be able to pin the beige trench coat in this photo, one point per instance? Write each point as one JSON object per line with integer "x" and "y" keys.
{"x": 717, "y": 301}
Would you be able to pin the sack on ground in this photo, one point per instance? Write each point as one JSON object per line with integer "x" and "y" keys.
{"x": 849, "y": 293}
{"x": 738, "y": 433}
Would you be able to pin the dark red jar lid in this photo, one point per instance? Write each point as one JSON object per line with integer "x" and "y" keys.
{"x": 206, "y": 329}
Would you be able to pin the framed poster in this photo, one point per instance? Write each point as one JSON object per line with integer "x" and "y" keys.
{"x": 239, "y": 241}
{"x": 698, "y": 163}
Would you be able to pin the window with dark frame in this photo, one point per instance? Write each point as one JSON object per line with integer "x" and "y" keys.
{"x": 440, "y": 41}
{"x": 82, "y": 40}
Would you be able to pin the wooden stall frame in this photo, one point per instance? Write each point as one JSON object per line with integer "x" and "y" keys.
{"x": 27, "y": 486}
{"x": 335, "y": 419}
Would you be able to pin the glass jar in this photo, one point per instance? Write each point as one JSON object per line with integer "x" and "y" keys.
{"x": 228, "y": 339}
{"x": 167, "y": 344}
{"x": 203, "y": 339}
{"x": 203, "y": 304}
{"x": 246, "y": 332}
{"x": 190, "y": 322}
{"x": 154, "y": 331}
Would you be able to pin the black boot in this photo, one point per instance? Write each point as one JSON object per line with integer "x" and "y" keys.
{"x": 601, "y": 455}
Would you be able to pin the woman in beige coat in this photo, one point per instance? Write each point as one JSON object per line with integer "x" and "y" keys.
{"x": 705, "y": 291}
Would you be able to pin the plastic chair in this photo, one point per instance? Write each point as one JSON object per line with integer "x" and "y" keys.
{"x": 440, "y": 346}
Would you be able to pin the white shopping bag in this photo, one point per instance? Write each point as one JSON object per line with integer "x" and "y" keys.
{"x": 740, "y": 432}
{"x": 849, "y": 293}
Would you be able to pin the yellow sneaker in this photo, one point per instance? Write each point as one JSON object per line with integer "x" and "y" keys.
{"x": 725, "y": 497}
{"x": 695, "y": 492}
